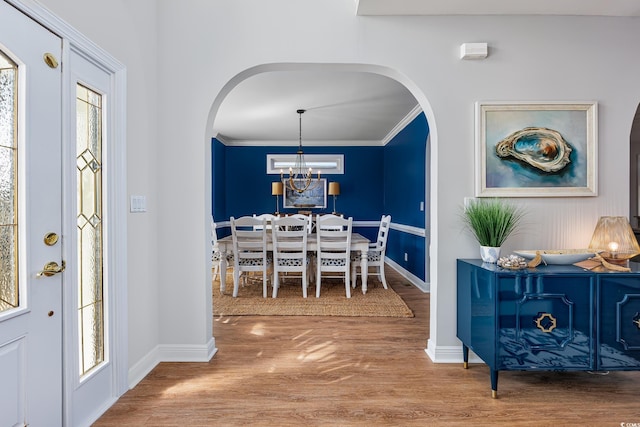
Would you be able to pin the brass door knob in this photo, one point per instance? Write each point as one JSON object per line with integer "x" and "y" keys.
{"x": 50, "y": 269}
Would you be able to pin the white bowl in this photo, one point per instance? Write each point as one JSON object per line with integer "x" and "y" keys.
{"x": 558, "y": 256}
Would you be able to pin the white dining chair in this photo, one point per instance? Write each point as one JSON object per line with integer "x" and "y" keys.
{"x": 375, "y": 255}
{"x": 249, "y": 250}
{"x": 333, "y": 254}
{"x": 303, "y": 216}
{"x": 268, "y": 217}
{"x": 216, "y": 254}
{"x": 289, "y": 236}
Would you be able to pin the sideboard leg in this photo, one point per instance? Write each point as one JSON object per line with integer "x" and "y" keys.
{"x": 465, "y": 356}
{"x": 494, "y": 383}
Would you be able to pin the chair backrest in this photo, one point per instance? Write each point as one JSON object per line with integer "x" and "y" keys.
{"x": 268, "y": 217}
{"x": 308, "y": 219}
{"x": 214, "y": 234}
{"x": 248, "y": 242}
{"x": 330, "y": 221}
{"x": 383, "y": 232}
{"x": 334, "y": 236}
{"x": 289, "y": 236}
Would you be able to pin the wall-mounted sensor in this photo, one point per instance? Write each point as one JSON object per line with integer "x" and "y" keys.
{"x": 473, "y": 50}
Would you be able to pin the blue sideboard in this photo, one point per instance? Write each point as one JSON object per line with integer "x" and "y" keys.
{"x": 555, "y": 317}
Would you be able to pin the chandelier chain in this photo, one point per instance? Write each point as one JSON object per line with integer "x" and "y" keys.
{"x": 299, "y": 181}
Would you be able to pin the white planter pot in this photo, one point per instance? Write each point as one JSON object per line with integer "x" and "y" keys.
{"x": 489, "y": 254}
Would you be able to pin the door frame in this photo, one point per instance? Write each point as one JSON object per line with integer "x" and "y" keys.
{"x": 115, "y": 193}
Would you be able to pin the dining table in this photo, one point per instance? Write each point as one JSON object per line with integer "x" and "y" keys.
{"x": 359, "y": 243}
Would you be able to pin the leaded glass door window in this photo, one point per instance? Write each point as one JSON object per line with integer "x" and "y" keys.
{"x": 89, "y": 233}
{"x": 9, "y": 291}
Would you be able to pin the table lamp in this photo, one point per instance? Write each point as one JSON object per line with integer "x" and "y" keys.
{"x": 277, "y": 190}
{"x": 615, "y": 238}
{"x": 334, "y": 190}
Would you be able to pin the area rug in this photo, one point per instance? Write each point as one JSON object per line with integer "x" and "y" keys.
{"x": 377, "y": 302}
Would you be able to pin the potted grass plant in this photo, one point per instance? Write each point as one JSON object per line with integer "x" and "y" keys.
{"x": 491, "y": 221}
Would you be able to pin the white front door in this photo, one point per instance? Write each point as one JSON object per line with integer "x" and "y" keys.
{"x": 30, "y": 218}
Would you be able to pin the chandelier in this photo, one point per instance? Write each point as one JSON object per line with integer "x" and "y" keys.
{"x": 300, "y": 177}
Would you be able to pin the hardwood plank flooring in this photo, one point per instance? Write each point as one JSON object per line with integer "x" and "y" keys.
{"x": 340, "y": 371}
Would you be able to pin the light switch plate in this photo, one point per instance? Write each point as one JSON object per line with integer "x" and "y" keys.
{"x": 138, "y": 204}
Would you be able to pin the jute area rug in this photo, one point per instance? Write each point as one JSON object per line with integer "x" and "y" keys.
{"x": 377, "y": 302}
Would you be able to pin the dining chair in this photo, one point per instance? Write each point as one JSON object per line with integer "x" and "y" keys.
{"x": 289, "y": 236}
{"x": 268, "y": 217}
{"x": 216, "y": 255}
{"x": 333, "y": 254}
{"x": 249, "y": 250}
{"x": 375, "y": 255}
{"x": 303, "y": 216}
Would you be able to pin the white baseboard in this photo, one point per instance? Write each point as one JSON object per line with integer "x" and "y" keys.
{"x": 170, "y": 353}
{"x": 449, "y": 354}
{"x": 415, "y": 280}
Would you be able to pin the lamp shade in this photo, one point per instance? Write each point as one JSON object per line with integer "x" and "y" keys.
{"x": 276, "y": 188}
{"x": 334, "y": 189}
{"x": 615, "y": 238}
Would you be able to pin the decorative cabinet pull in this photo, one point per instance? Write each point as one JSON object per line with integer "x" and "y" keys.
{"x": 636, "y": 320}
{"x": 546, "y": 326}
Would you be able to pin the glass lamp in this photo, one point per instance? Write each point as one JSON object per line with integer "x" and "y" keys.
{"x": 334, "y": 190}
{"x": 277, "y": 190}
{"x": 615, "y": 238}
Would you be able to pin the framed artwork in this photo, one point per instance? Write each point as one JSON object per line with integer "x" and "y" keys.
{"x": 536, "y": 149}
{"x": 315, "y": 197}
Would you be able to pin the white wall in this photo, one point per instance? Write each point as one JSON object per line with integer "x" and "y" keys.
{"x": 201, "y": 45}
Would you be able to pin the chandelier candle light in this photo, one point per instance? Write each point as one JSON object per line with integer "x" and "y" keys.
{"x": 300, "y": 177}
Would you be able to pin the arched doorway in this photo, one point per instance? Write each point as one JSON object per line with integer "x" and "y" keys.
{"x": 426, "y": 204}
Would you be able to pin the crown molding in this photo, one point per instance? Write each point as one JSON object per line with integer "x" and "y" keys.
{"x": 415, "y": 112}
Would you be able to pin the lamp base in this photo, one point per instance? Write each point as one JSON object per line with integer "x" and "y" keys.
{"x": 617, "y": 261}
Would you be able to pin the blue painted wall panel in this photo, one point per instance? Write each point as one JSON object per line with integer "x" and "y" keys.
{"x": 404, "y": 173}
{"x": 218, "y": 184}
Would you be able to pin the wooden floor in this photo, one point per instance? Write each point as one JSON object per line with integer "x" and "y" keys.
{"x": 323, "y": 371}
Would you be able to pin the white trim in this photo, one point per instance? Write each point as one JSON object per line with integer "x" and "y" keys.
{"x": 100, "y": 411}
{"x": 328, "y": 164}
{"x": 413, "y": 279}
{"x": 449, "y": 354}
{"x": 188, "y": 353}
{"x": 142, "y": 368}
{"x": 366, "y": 224}
{"x": 170, "y": 353}
{"x": 409, "y": 229}
{"x": 403, "y": 123}
{"x": 415, "y": 112}
{"x": 307, "y": 143}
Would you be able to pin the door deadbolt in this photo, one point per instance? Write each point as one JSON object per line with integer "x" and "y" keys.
{"x": 50, "y": 239}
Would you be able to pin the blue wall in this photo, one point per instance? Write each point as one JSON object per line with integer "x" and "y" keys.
{"x": 248, "y": 187}
{"x": 404, "y": 190}
{"x": 377, "y": 181}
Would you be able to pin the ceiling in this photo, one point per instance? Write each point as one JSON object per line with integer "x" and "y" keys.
{"x": 357, "y": 108}
{"x": 499, "y": 7}
{"x": 342, "y": 107}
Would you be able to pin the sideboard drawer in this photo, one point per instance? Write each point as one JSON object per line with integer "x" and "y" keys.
{"x": 545, "y": 322}
{"x": 619, "y": 326}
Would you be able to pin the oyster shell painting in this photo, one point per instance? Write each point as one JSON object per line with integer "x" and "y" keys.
{"x": 543, "y": 148}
